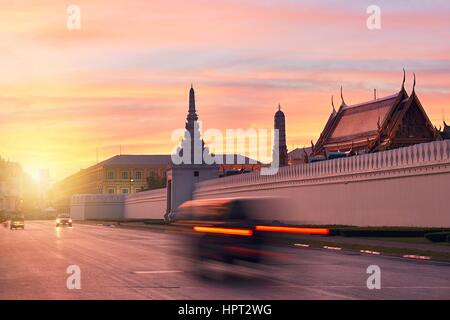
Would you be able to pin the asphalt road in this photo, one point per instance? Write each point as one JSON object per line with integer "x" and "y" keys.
{"x": 118, "y": 263}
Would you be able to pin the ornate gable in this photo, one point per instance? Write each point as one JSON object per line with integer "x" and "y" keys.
{"x": 412, "y": 125}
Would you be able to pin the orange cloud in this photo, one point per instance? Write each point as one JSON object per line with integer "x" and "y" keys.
{"x": 123, "y": 78}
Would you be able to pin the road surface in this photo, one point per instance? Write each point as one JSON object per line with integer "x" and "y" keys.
{"x": 120, "y": 263}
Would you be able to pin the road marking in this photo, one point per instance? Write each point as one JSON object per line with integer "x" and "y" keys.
{"x": 332, "y": 248}
{"x": 157, "y": 271}
{"x": 413, "y": 256}
{"x": 369, "y": 252}
{"x": 301, "y": 245}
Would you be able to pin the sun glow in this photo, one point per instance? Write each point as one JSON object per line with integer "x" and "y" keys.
{"x": 39, "y": 175}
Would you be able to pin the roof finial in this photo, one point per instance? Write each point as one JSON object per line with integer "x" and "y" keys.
{"x": 414, "y": 83}
{"x": 192, "y": 99}
{"x": 404, "y": 79}
{"x": 279, "y": 106}
{"x": 332, "y": 103}
{"x": 375, "y": 94}
{"x": 342, "y": 97}
{"x": 192, "y": 86}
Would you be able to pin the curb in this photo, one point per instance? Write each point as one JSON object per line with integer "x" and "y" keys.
{"x": 364, "y": 251}
{"x": 413, "y": 256}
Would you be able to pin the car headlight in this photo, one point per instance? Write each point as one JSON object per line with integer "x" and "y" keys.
{"x": 70, "y": 220}
{"x": 58, "y": 221}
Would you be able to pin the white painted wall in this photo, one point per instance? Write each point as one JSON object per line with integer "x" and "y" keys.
{"x": 146, "y": 205}
{"x": 96, "y": 206}
{"x": 142, "y": 205}
{"x": 402, "y": 187}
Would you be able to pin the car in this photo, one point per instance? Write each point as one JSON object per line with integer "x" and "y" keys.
{"x": 17, "y": 223}
{"x": 63, "y": 220}
{"x": 226, "y": 230}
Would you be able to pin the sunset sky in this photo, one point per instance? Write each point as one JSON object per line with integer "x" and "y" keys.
{"x": 123, "y": 79}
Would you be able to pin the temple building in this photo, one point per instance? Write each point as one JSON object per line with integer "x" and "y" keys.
{"x": 389, "y": 122}
{"x": 192, "y": 145}
{"x": 299, "y": 155}
{"x": 444, "y": 133}
{"x": 280, "y": 125}
{"x": 190, "y": 167}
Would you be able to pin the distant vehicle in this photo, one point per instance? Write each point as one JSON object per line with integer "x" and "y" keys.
{"x": 17, "y": 222}
{"x": 63, "y": 220}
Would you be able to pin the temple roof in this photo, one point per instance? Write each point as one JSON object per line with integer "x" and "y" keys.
{"x": 299, "y": 153}
{"x": 359, "y": 122}
{"x": 445, "y": 132}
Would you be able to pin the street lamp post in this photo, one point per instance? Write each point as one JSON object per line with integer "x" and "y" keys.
{"x": 131, "y": 185}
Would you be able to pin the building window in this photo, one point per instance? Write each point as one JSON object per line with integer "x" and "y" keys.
{"x": 111, "y": 191}
{"x": 125, "y": 190}
{"x": 125, "y": 175}
{"x": 196, "y": 173}
{"x": 110, "y": 175}
{"x": 138, "y": 175}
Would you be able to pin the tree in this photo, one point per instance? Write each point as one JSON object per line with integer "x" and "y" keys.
{"x": 154, "y": 181}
